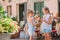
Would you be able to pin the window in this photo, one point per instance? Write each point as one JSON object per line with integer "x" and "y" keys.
{"x": 9, "y": 10}
{"x": 9, "y": 0}
{"x": 38, "y": 7}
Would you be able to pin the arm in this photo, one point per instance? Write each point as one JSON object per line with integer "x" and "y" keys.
{"x": 49, "y": 20}
{"x": 45, "y": 21}
{"x": 26, "y": 27}
{"x": 31, "y": 21}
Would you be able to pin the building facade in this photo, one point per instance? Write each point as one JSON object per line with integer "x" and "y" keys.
{"x": 20, "y": 7}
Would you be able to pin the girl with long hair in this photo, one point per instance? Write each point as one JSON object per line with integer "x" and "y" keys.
{"x": 46, "y": 26}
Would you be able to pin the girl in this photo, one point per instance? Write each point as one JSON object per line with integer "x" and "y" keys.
{"x": 31, "y": 24}
{"x": 58, "y": 23}
{"x": 37, "y": 19}
{"x": 38, "y": 22}
{"x": 46, "y": 25}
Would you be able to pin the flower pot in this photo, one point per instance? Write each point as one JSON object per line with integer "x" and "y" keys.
{"x": 15, "y": 35}
{"x": 5, "y": 36}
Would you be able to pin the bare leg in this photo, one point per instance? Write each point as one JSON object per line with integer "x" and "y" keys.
{"x": 48, "y": 36}
{"x": 45, "y": 36}
{"x": 31, "y": 38}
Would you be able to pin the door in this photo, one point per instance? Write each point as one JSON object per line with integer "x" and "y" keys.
{"x": 21, "y": 10}
{"x": 59, "y": 8}
{"x": 38, "y": 7}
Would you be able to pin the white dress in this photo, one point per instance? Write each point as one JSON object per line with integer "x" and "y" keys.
{"x": 45, "y": 27}
{"x": 31, "y": 28}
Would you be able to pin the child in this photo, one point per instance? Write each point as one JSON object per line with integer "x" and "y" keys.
{"x": 46, "y": 25}
{"x": 38, "y": 22}
{"x": 58, "y": 28}
{"x": 58, "y": 24}
{"x": 31, "y": 24}
{"x": 38, "y": 19}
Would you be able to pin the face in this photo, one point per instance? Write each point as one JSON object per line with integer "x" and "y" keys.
{"x": 31, "y": 15}
{"x": 38, "y": 18}
{"x": 44, "y": 11}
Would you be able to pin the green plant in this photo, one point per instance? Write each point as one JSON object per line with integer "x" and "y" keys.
{"x": 7, "y": 25}
{"x": 1, "y": 12}
{"x": 14, "y": 18}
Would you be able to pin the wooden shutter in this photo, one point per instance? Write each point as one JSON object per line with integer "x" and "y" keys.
{"x": 38, "y": 7}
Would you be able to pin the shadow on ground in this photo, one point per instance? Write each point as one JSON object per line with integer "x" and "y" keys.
{"x": 23, "y": 36}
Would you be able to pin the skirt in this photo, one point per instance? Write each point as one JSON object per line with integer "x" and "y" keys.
{"x": 46, "y": 28}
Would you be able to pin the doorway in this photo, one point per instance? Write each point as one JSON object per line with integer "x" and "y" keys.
{"x": 21, "y": 10}
{"x": 59, "y": 7}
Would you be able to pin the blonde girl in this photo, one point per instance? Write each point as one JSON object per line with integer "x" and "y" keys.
{"x": 31, "y": 24}
{"x": 38, "y": 23}
{"x": 37, "y": 19}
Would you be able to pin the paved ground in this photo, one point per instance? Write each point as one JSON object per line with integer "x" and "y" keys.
{"x": 23, "y": 36}
{"x": 34, "y": 39}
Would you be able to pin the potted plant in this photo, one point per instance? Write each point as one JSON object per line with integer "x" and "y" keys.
{"x": 8, "y": 27}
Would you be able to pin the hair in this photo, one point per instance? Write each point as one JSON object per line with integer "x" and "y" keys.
{"x": 37, "y": 15}
{"x": 46, "y": 8}
{"x": 30, "y": 12}
{"x": 58, "y": 14}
